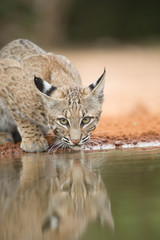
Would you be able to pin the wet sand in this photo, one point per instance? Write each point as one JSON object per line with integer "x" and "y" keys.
{"x": 131, "y": 110}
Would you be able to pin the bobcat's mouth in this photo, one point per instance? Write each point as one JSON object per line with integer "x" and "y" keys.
{"x": 76, "y": 144}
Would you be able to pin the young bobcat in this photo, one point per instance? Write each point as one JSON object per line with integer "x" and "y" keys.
{"x": 43, "y": 90}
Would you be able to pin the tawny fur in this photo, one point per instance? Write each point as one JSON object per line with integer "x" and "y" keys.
{"x": 27, "y": 108}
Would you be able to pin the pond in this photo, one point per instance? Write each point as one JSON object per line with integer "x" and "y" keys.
{"x": 94, "y": 195}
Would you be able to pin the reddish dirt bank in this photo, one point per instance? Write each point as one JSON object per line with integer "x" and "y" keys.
{"x": 140, "y": 126}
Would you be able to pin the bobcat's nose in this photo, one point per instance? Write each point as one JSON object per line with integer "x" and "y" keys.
{"x": 75, "y": 141}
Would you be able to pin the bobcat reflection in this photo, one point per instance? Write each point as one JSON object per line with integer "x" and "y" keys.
{"x": 54, "y": 199}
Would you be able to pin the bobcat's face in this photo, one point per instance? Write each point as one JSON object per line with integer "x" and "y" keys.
{"x": 72, "y": 112}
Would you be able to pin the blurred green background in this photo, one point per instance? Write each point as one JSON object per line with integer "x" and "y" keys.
{"x": 82, "y": 22}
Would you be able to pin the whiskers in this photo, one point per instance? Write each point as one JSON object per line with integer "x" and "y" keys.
{"x": 56, "y": 146}
{"x": 95, "y": 141}
{"x": 87, "y": 142}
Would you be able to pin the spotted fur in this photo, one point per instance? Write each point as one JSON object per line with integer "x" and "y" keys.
{"x": 39, "y": 89}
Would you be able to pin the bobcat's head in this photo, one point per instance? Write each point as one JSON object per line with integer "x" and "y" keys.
{"x": 72, "y": 112}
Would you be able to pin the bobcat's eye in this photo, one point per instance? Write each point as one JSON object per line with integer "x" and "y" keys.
{"x": 63, "y": 121}
{"x": 86, "y": 120}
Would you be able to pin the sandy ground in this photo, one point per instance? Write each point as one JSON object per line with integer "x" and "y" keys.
{"x": 131, "y": 110}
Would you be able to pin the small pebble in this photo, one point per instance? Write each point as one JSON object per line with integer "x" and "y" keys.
{"x": 143, "y": 139}
{"x": 135, "y": 142}
{"x": 118, "y": 143}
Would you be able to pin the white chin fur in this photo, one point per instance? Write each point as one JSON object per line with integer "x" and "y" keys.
{"x": 76, "y": 148}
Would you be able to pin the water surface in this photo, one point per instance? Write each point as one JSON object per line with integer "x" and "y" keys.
{"x": 96, "y": 195}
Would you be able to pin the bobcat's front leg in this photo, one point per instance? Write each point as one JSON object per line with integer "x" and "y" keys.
{"x": 32, "y": 136}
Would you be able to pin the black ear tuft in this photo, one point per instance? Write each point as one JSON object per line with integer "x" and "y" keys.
{"x": 44, "y": 86}
{"x": 39, "y": 83}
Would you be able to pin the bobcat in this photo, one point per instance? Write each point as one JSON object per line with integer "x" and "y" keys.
{"x": 43, "y": 90}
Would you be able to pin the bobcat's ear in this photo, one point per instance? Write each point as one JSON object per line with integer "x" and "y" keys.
{"x": 98, "y": 86}
{"x": 96, "y": 89}
{"x": 43, "y": 86}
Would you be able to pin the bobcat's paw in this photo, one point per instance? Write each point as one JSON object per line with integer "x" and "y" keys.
{"x": 34, "y": 145}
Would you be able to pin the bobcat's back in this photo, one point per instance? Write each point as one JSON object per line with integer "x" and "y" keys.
{"x": 20, "y": 49}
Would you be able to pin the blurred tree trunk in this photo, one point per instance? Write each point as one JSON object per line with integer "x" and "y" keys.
{"x": 51, "y": 23}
